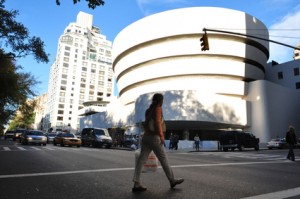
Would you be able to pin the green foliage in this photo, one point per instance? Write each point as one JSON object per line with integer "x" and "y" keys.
{"x": 16, "y": 86}
{"x": 15, "y": 37}
{"x": 25, "y": 117}
{"x": 91, "y": 3}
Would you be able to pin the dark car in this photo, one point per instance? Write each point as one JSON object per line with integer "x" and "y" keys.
{"x": 18, "y": 133}
{"x": 238, "y": 139}
{"x": 50, "y": 137}
{"x": 9, "y": 134}
{"x": 96, "y": 137}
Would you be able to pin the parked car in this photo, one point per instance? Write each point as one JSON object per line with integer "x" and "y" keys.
{"x": 9, "y": 134}
{"x": 238, "y": 139}
{"x": 66, "y": 139}
{"x": 18, "y": 133}
{"x": 96, "y": 137}
{"x": 278, "y": 143}
{"x": 50, "y": 137}
{"x": 33, "y": 137}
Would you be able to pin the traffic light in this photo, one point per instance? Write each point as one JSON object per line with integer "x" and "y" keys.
{"x": 204, "y": 42}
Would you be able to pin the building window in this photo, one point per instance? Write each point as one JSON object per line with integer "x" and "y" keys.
{"x": 63, "y": 82}
{"x": 67, "y": 48}
{"x": 62, "y": 88}
{"x": 65, "y": 65}
{"x": 93, "y": 57}
{"x": 280, "y": 75}
{"x": 60, "y": 112}
{"x": 297, "y": 85}
{"x": 60, "y": 118}
{"x": 296, "y": 71}
{"x": 64, "y": 76}
{"x": 67, "y": 54}
{"x": 61, "y": 106}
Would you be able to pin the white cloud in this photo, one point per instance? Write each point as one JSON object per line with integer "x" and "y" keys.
{"x": 286, "y": 31}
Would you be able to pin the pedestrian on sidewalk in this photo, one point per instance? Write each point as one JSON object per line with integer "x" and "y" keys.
{"x": 197, "y": 142}
{"x": 153, "y": 140}
{"x": 290, "y": 138}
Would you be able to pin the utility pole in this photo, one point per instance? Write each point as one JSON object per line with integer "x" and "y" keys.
{"x": 235, "y": 33}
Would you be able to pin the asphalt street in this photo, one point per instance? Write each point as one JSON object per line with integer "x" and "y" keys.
{"x": 85, "y": 172}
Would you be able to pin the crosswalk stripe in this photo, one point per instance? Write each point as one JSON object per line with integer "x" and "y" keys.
{"x": 35, "y": 148}
{"x": 6, "y": 148}
{"x": 21, "y": 148}
{"x": 247, "y": 155}
{"x": 48, "y": 148}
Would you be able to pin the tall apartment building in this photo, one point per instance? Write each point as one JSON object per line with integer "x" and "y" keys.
{"x": 82, "y": 72}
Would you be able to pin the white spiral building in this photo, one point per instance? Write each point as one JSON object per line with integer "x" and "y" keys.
{"x": 162, "y": 53}
{"x": 204, "y": 91}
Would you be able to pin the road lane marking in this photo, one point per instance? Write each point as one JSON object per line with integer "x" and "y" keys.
{"x": 48, "y": 148}
{"x": 35, "y": 148}
{"x": 21, "y": 148}
{"x": 278, "y": 194}
{"x": 127, "y": 169}
{"x": 6, "y": 148}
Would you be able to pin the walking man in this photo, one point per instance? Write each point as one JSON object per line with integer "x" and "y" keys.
{"x": 290, "y": 138}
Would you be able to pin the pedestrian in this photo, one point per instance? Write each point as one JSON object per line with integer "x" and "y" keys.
{"x": 290, "y": 138}
{"x": 171, "y": 141}
{"x": 175, "y": 141}
{"x": 197, "y": 142}
{"x": 153, "y": 140}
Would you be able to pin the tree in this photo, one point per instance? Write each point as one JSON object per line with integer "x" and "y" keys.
{"x": 91, "y": 3}
{"x": 25, "y": 116}
{"x": 15, "y": 37}
{"x": 16, "y": 86}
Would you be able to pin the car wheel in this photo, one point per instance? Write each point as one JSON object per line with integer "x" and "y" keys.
{"x": 78, "y": 146}
{"x": 62, "y": 143}
{"x": 256, "y": 147}
{"x": 94, "y": 144}
{"x": 44, "y": 144}
{"x": 54, "y": 143}
{"x": 241, "y": 148}
{"x": 225, "y": 149}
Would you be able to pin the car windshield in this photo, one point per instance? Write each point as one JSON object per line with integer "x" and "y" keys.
{"x": 100, "y": 132}
{"x": 68, "y": 135}
{"x": 35, "y": 133}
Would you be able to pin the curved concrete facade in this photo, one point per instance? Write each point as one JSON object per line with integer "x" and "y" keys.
{"x": 162, "y": 52}
{"x": 224, "y": 87}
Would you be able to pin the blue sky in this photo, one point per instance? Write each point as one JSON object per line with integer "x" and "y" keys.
{"x": 45, "y": 19}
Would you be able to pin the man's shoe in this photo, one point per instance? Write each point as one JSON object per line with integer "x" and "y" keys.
{"x": 176, "y": 182}
{"x": 139, "y": 189}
